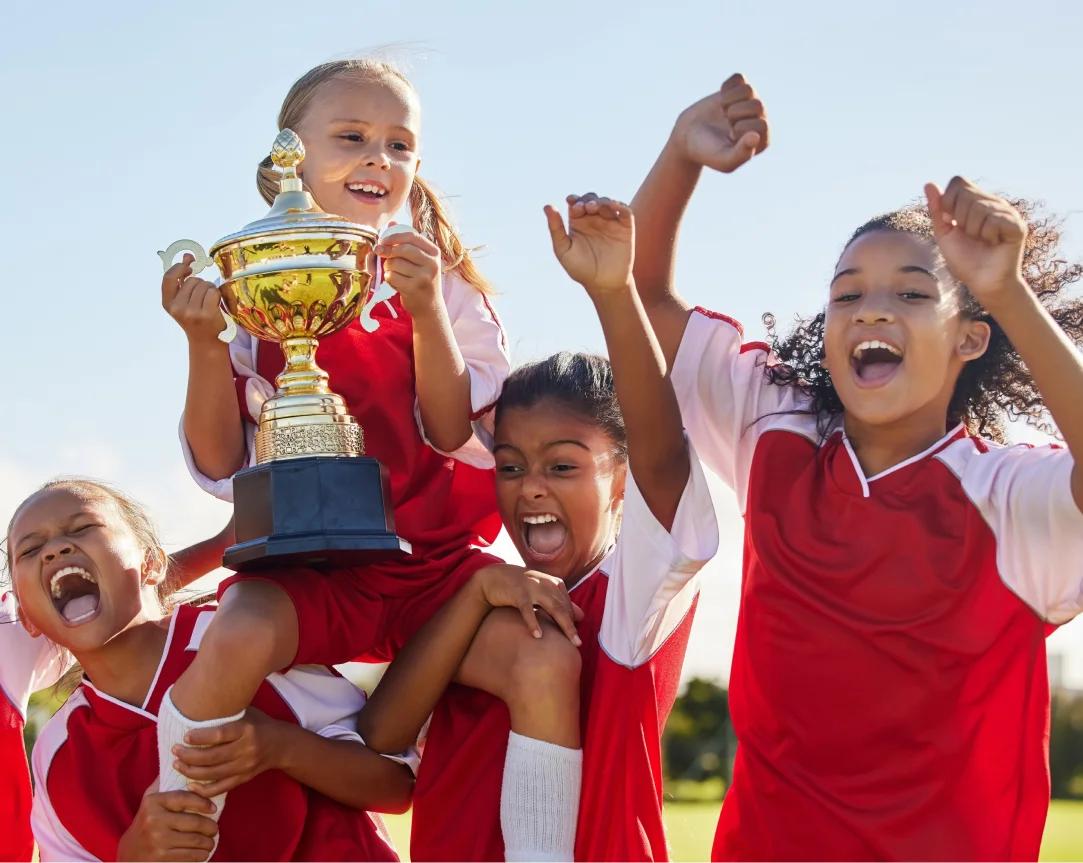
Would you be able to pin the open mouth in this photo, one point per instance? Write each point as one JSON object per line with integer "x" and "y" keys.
{"x": 368, "y": 192}
{"x": 875, "y": 362}
{"x": 75, "y": 594}
{"x": 545, "y": 536}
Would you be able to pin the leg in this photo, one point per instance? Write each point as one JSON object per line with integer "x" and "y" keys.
{"x": 538, "y": 679}
{"x": 253, "y": 633}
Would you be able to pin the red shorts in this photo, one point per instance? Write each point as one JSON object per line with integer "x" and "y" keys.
{"x": 367, "y": 613}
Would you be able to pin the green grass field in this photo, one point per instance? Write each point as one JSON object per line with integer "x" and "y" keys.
{"x": 691, "y": 828}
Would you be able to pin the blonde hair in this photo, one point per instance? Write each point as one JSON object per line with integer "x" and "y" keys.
{"x": 428, "y": 214}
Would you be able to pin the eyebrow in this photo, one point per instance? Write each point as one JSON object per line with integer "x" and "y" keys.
{"x": 356, "y": 122}
{"x": 549, "y": 445}
{"x": 909, "y": 268}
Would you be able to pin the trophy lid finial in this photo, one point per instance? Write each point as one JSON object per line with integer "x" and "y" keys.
{"x": 288, "y": 151}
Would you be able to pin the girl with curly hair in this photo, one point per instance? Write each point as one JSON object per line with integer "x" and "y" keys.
{"x": 902, "y": 566}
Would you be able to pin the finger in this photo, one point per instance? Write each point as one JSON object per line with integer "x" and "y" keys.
{"x": 950, "y": 199}
{"x": 228, "y": 783}
{"x": 187, "y": 822}
{"x": 215, "y": 735}
{"x": 407, "y": 252}
{"x": 577, "y": 613}
{"x": 736, "y": 89}
{"x": 188, "y": 840}
{"x": 171, "y": 280}
{"x": 559, "y": 609}
{"x": 975, "y": 220}
{"x": 191, "y": 762}
{"x": 402, "y": 272}
{"x": 559, "y": 236}
{"x": 609, "y": 209}
{"x": 748, "y": 145}
{"x": 183, "y": 855}
{"x": 747, "y": 109}
{"x": 991, "y": 230}
{"x": 530, "y": 618}
{"x": 407, "y": 239}
{"x": 185, "y": 801}
{"x": 934, "y": 198}
{"x": 759, "y": 126}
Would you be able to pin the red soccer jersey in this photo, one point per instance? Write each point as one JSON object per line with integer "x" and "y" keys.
{"x": 638, "y": 606}
{"x": 97, "y": 756}
{"x": 26, "y": 664}
{"x": 889, "y": 689}
{"x": 441, "y": 501}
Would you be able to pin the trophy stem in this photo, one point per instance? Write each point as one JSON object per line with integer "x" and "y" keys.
{"x": 301, "y": 376}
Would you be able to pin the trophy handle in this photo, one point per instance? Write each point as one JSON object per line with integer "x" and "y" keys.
{"x": 201, "y": 262}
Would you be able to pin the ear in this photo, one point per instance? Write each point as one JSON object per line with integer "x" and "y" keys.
{"x": 973, "y": 340}
{"x": 155, "y": 565}
{"x": 25, "y": 621}
{"x": 620, "y": 484}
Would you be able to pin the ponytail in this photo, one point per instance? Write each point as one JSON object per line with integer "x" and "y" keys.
{"x": 432, "y": 220}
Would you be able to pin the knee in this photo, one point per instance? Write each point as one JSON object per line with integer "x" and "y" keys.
{"x": 250, "y": 631}
{"x": 544, "y": 668}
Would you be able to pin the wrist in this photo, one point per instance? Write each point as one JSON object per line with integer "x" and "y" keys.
{"x": 1003, "y": 298}
{"x": 203, "y": 347}
{"x": 675, "y": 152}
{"x": 278, "y": 748}
{"x": 612, "y": 298}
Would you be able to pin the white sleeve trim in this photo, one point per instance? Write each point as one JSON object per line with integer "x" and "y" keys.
{"x": 652, "y": 571}
{"x": 1024, "y": 494}
{"x": 27, "y": 663}
{"x": 54, "y": 840}
{"x": 726, "y": 401}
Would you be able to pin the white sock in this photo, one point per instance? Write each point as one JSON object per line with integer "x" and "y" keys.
{"x": 539, "y": 799}
{"x": 172, "y": 726}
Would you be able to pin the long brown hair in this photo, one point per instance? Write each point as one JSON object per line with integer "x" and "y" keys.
{"x": 428, "y": 213}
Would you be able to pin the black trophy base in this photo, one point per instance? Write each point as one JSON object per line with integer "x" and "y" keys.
{"x": 315, "y": 511}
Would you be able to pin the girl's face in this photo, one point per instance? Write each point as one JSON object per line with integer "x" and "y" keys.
{"x": 559, "y": 487}
{"x": 81, "y": 576}
{"x": 895, "y": 340}
{"x": 361, "y": 148}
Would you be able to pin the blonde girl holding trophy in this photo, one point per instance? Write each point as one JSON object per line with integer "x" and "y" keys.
{"x": 423, "y": 365}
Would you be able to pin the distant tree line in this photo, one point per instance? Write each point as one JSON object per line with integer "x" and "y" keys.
{"x": 699, "y": 744}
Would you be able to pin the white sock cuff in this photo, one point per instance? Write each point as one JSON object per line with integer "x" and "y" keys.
{"x": 169, "y": 713}
{"x": 535, "y": 747}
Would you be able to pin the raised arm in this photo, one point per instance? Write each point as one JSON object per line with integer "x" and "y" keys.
{"x": 212, "y": 422}
{"x": 722, "y": 131}
{"x": 597, "y": 251}
{"x": 982, "y": 238}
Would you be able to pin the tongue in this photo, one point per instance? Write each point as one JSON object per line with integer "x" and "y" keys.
{"x": 546, "y": 538}
{"x": 79, "y": 606}
{"x": 874, "y": 372}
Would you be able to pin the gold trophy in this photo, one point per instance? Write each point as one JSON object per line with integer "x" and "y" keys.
{"x": 292, "y": 277}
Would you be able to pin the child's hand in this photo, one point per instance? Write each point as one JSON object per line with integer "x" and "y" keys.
{"x": 505, "y": 585}
{"x": 192, "y": 302}
{"x": 724, "y": 130}
{"x": 980, "y": 236}
{"x": 412, "y": 267}
{"x": 229, "y": 755}
{"x": 598, "y": 249}
{"x": 168, "y": 826}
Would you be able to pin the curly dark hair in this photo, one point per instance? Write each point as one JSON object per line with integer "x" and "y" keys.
{"x": 991, "y": 389}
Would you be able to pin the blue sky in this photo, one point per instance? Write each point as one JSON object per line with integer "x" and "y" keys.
{"x": 133, "y": 125}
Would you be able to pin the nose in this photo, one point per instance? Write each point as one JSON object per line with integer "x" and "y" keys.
{"x": 534, "y": 487}
{"x": 873, "y": 309}
{"x": 375, "y": 157}
{"x": 56, "y": 548}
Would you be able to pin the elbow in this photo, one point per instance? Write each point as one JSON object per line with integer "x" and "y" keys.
{"x": 449, "y": 440}
{"x": 398, "y": 794}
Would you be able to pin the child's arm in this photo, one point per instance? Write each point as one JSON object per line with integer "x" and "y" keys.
{"x": 212, "y": 423}
{"x": 722, "y": 131}
{"x": 597, "y": 251}
{"x": 981, "y": 237}
{"x": 412, "y": 267}
{"x": 197, "y": 560}
{"x": 396, "y": 711}
{"x": 343, "y": 770}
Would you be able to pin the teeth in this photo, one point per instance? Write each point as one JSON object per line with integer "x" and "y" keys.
{"x": 875, "y": 343}
{"x": 54, "y": 582}
{"x": 366, "y": 187}
{"x": 539, "y": 519}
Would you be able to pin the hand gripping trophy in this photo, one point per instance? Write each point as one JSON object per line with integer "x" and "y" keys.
{"x": 292, "y": 277}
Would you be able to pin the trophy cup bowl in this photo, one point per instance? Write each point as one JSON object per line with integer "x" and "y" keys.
{"x": 293, "y": 277}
